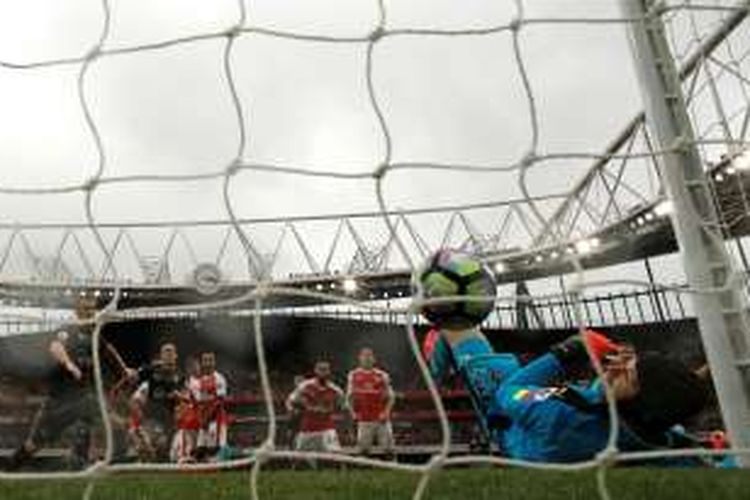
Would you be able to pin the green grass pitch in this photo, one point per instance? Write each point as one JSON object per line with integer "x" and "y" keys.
{"x": 472, "y": 484}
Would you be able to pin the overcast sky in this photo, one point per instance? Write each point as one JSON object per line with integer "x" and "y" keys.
{"x": 455, "y": 100}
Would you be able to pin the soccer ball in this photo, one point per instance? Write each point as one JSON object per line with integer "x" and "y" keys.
{"x": 449, "y": 273}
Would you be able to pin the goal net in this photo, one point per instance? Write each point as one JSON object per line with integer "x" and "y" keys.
{"x": 243, "y": 177}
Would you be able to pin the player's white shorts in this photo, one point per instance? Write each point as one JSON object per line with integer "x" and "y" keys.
{"x": 324, "y": 441}
{"x": 213, "y": 436}
{"x": 370, "y": 434}
{"x": 183, "y": 445}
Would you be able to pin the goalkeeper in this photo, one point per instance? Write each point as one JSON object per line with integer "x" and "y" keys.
{"x": 534, "y": 412}
{"x": 546, "y": 420}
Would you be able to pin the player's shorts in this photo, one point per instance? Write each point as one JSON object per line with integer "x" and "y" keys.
{"x": 160, "y": 435}
{"x": 76, "y": 410}
{"x": 324, "y": 441}
{"x": 59, "y": 412}
{"x": 214, "y": 435}
{"x": 370, "y": 434}
{"x": 183, "y": 446}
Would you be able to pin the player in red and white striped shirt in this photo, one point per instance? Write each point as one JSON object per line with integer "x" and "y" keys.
{"x": 186, "y": 419}
{"x": 370, "y": 398}
{"x": 209, "y": 389}
{"x": 317, "y": 399}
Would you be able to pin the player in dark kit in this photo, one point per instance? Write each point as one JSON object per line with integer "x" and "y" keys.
{"x": 71, "y": 402}
{"x": 154, "y": 403}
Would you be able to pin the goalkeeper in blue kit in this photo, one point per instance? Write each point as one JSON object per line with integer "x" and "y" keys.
{"x": 541, "y": 411}
{"x": 536, "y": 413}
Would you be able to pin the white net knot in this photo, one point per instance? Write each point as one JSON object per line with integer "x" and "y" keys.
{"x": 380, "y": 171}
{"x": 262, "y": 290}
{"x": 233, "y": 32}
{"x": 106, "y": 315}
{"x": 233, "y": 167}
{"x": 658, "y": 8}
{"x": 265, "y": 451}
{"x": 436, "y": 462}
{"x": 515, "y": 24}
{"x": 97, "y": 469}
{"x": 90, "y": 184}
{"x": 607, "y": 457}
{"x": 376, "y": 34}
{"x": 529, "y": 159}
{"x": 681, "y": 144}
{"x": 93, "y": 53}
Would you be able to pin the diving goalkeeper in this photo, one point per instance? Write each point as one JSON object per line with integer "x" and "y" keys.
{"x": 540, "y": 411}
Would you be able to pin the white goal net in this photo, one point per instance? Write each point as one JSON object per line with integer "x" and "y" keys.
{"x": 183, "y": 159}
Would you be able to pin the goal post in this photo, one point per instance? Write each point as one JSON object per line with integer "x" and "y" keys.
{"x": 720, "y": 306}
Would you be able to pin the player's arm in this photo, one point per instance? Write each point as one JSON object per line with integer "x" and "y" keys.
{"x": 349, "y": 396}
{"x": 116, "y": 358}
{"x": 390, "y": 397}
{"x": 222, "y": 387}
{"x": 140, "y": 395}
{"x": 541, "y": 372}
{"x": 293, "y": 402}
{"x": 182, "y": 393}
{"x": 573, "y": 353}
{"x": 524, "y": 394}
{"x": 221, "y": 394}
{"x": 137, "y": 402}
{"x": 341, "y": 402}
{"x": 567, "y": 355}
{"x": 60, "y": 354}
{"x": 520, "y": 396}
{"x": 524, "y": 390}
{"x": 194, "y": 387}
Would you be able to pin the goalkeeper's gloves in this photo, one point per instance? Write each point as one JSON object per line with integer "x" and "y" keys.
{"x": 571, "y": 353}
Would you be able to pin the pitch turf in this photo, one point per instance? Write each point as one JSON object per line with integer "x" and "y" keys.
{"x": 472, "y": 484}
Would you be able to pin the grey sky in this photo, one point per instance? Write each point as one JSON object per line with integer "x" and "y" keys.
{"x": 453, "y": 100}
{"x": 448, "y": 100}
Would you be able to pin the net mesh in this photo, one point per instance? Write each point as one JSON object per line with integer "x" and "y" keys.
{"x": 690, "y": 26}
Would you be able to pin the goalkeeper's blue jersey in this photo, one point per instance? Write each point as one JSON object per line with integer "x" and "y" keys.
{"x": 530, "y": 413}
{"x": 548, "y": 422}
{"x": 481, "y": 369}
{"x": 521, "y": 409}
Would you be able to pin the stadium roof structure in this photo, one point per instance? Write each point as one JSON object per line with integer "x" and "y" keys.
{"x": 646, "y": 231}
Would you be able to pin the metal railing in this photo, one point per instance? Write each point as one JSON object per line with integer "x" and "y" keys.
{"x": 648, "y": 305}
